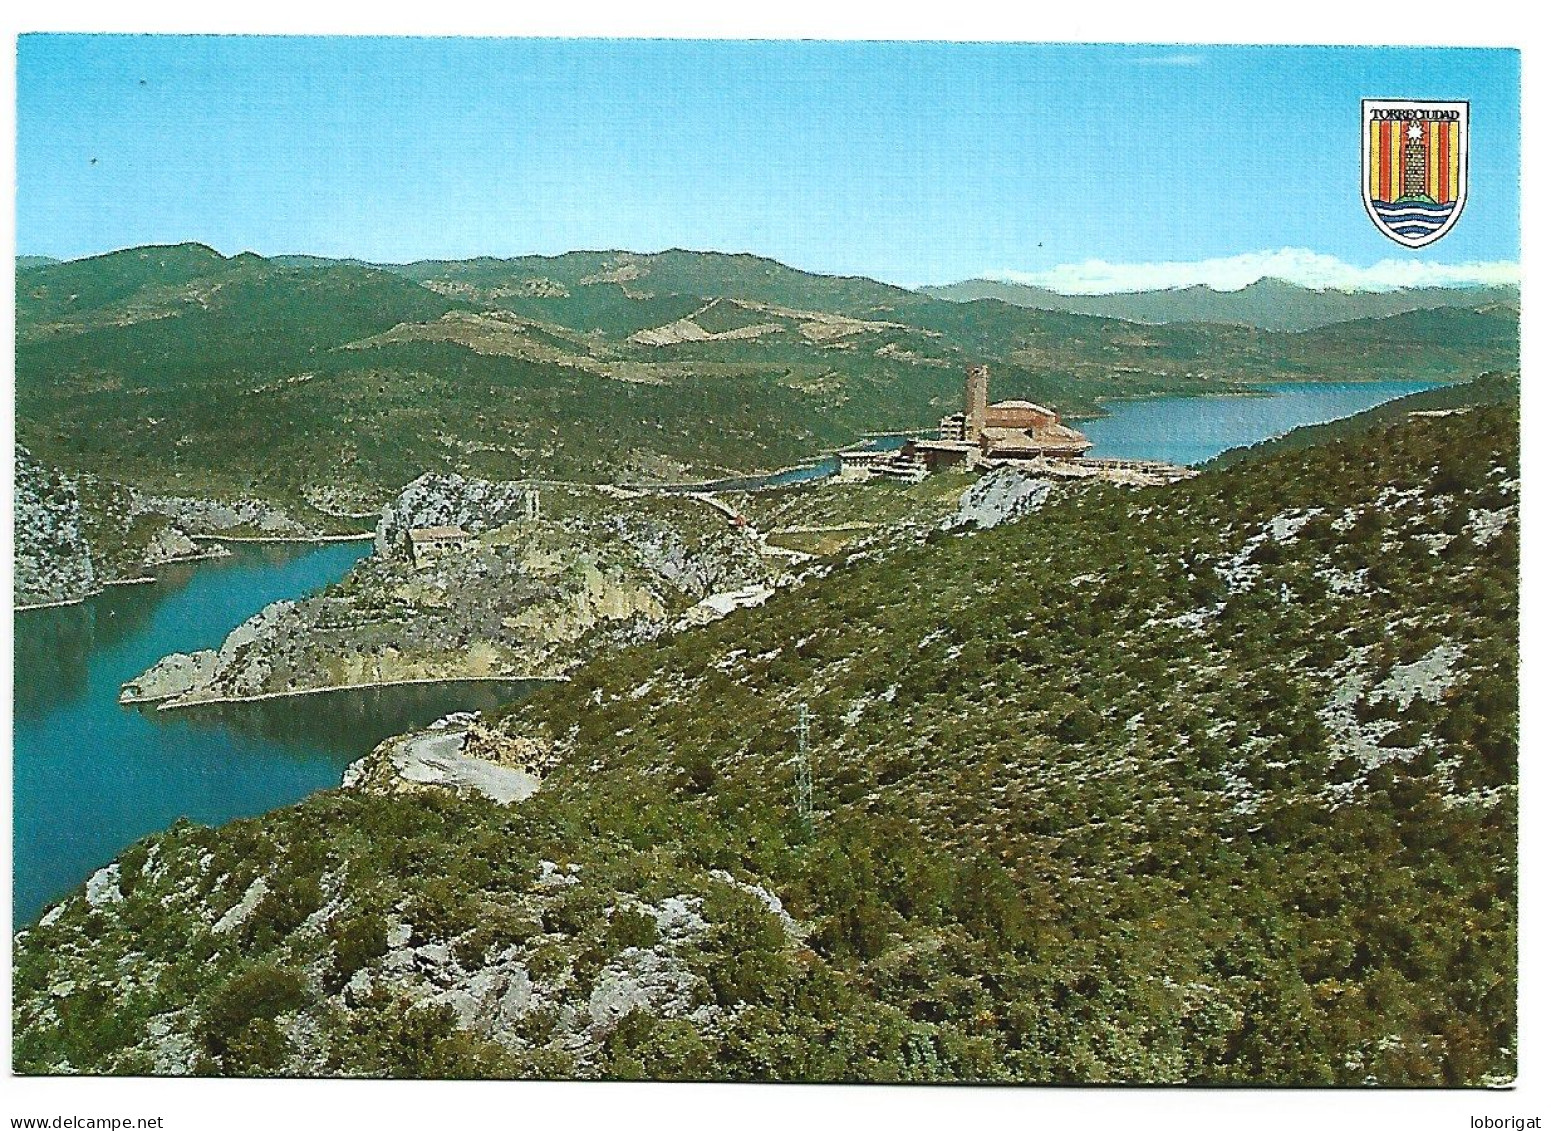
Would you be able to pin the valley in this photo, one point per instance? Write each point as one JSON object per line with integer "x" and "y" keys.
{"x": 1106, "y": 779}
{"x": 323, "y": 387}
{"x": 1128, "y": 787}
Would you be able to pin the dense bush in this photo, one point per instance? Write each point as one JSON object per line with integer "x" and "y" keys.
{"x": 1058, "y": 835}
{"x": 237, "y": 1022}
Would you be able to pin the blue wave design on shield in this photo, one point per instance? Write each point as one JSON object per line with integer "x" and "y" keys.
{"x": 1413, "y": 217}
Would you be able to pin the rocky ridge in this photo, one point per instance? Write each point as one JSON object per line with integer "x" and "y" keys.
{"x": 523, "y": 597}
{"x": 75, "y": 534}
{"x": 53, "y": 558}
{"x": 214, "y": 517}
{"x": 1124, "y": 792}
{"x": 999, "y": 496}
{"x": 548, "y": 981}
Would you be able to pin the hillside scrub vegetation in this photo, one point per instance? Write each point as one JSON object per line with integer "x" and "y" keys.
{"x": 1211, "y": 784}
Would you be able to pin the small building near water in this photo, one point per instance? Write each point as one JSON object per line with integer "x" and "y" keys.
{"x": 856, "y": 464}
{"x": 944, "y": 454}
{"x": 429, "y": 542}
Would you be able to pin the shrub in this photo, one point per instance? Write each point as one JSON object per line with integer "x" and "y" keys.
{"x": 695, "y": 771}
{"x": 260, "y": 992}
{"x": 631, "y": 927}
{"x": 644, "y": 1047}
{"x": 284, "y": 908}
{"x": 439, "y": 910}
{"x": 391, "y": 1036}
{"x": 357, "y": 940}
{"x": 259, "y": 1049}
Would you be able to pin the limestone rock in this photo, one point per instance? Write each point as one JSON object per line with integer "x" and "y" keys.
{"x": 211, "y": 516}
{"x": 998, "y": 497}
{"x": 243, "y": 908}
{"x": 718, "y": 605}
{"x": 647, "y": 980}
{"x": 173, "y": 545}
{"x": 170, "y": 677}
{"x": 53, "y": 562}
{"x": 771, "y": 901}
{"x": 103, "y": 887}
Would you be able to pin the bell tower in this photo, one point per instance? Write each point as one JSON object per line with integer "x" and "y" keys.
{"x": 977, "y": 391}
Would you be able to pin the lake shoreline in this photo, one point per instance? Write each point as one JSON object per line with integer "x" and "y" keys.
{"x": 173, "y": 704}
{"x": 1255, "y": 390}
{"x": 304, "y": 540}
{"x": 91, "y": 778}
{"x": 711, "y": 486}
{"x": 233, "y": 768}
{"x": 144, "y": 579}
{"x": 1193, "y": 430}
{"x": 1250, "y": 390}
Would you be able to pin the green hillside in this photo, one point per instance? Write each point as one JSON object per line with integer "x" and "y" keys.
{"x": 83, "y": 287}
{"x": 180, "y": 370}
{"x": 1271, "y": 304}
{"x": 665, "y": 273}
{"x": 1488, "y": 389}
{"x": 1211, "y": 784}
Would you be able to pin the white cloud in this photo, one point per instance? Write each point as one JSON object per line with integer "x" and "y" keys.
{"x": 1294, "y": 265}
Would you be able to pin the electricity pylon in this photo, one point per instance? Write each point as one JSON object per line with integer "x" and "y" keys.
{"x": 804, "y": 775}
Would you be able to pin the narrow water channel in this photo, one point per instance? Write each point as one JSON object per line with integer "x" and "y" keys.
{"x": 91, "y": 776}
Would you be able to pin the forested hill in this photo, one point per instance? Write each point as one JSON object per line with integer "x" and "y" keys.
{"x": 1213, "y": 783}
{"x": 1271, "y": 304}
{"x": 186, "y": 372}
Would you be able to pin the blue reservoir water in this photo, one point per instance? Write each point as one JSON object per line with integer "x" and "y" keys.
{"x": 792, "y": 476}
{"x": 1183, "y": 430}
{"x": 1188, "y": 430}
{"x": 91, "y": 777}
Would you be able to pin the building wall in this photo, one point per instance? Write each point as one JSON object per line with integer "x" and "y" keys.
{"x": 422, "y": 552}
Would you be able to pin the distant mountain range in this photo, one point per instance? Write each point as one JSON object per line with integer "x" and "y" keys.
{"x": 178, "y": 369}
{"x": 1269, "y": 304}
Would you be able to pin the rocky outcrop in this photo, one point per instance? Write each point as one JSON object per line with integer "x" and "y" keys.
{"x": 172, "y": 545}
{"x": 75, "y": 534}
{"x": 718, "y": 605}
{"x": 103, "y": 888}
{"x": 53, "y": 559}
{"x": 171, "y": 677}
{"x": 549, "y": 970}
{"x": 446, "y": 500}
{"x": 524, "y": 597}
{"x": 216, "y": 517}
{"x": 241, "y": 668}
{"x": 997, "y": 497}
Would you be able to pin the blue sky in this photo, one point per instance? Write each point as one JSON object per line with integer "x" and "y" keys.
{"x": 910, "y": 162}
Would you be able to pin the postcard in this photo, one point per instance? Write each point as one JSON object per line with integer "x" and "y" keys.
{"x": 766, "y": 561}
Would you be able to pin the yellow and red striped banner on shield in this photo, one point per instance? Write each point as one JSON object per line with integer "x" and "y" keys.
{"x": 1385, "y": 159}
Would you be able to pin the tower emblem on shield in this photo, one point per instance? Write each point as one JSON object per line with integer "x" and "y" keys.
{"x": 1414, "y": 168}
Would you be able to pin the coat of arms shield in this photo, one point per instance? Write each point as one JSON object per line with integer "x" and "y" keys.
{"x": 1415, "y": 171}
